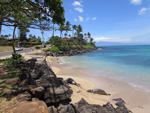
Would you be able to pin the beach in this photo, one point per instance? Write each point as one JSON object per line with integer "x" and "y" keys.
{"x": 137, "y": 101}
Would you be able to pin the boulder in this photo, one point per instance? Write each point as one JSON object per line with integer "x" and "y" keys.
{"x": 29, "y": 81}
{"x": 81, "y": 103}
{"x": 37, "y": 92}
{"x": 122, "y": 110}
{"x": 84, "y": 107}
{"x": 109, "y": 107}
{"x": 57, "y": 94}
{"x": 31, "y": 107}
{"x": 13, "y": 81}
{"x": 52, "y": 109}
{"x": 24, "y": 97}
{"x": 70, "y": 108}
{"x": 36, "y": 74}
{"x": 25, "y": 74}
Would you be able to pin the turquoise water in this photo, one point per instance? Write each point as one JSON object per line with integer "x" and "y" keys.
{"x": 130, "y": 64}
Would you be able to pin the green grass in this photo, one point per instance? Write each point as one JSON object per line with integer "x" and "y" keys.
{"x": 5, "y": 48}
{"x": 88, "y": 46}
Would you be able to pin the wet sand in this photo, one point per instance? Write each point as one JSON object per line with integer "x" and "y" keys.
{"x": 137, "y": 101}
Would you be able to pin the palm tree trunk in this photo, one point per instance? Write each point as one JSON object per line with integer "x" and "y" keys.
{"x": 0, "y": 27}
{"x": 14, "y": 40}
{"x": 53, "y": 29}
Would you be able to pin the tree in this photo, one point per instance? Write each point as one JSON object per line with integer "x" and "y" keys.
{"x": 74, "y": 28}
{"x": 20, "y": 13}
{"x": 61, "y": 29}
{"x": 5, "y": 36}
{"x": 89, "y": 35}
{"x": 79, "y": 29}
{"x": 22, "y": 35}
{"x": 55, "y": 40}
{"x": 65, "y": 35}
{"x": 67, "y": 28}
{"x": 69, "y": 35}
{"x": 85, "y": 34}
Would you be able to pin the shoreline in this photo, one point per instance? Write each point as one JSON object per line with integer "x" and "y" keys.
{"x": 136, "y": 100}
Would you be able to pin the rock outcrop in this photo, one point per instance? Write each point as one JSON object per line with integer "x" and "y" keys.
{"x": 71, "y": 52}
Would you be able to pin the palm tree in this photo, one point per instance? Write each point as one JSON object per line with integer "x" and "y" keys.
{"x": 68, "y": 26}
{"x": 74, "y": 28}
{"x": 85, "y": 34}
{"x": 61, "y": 29}
{"x": 89, "y": 35}
{"x": 65, "y": 35}
{"x": 79, "y": 29}
{"x": 69, "y": 35}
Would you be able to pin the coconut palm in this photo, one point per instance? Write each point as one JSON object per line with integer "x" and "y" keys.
{"x": 61, "y": 29}
{"x": 85, "y": 34}
{"x": 65, "y": 35}
{"x": 69, "y": 35}
{"x": 89, "y": 35}
{"x": 79, "y": 29}
{"x": 74, "y": 28}
{"x": 67, "y": 26}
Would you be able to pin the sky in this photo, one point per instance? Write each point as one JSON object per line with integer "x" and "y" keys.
{"x": 121, "y": 21}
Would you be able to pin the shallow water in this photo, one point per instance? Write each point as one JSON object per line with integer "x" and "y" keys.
{"x": 130, "y": 64}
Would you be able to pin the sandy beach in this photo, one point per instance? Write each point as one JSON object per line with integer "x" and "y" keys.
{"x": 137, "y": 101}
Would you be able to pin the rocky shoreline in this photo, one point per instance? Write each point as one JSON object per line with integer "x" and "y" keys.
{"x": 71, "y": 52}
{"x": 42, "y": 92}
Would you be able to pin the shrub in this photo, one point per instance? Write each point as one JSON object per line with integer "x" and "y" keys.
{"x": 78, "y": 46}
{"x": 61, "y": 48}
{"x": 54, "y": 49}
{"x": 88, "y": 46}
{"x": 12, "y": 60}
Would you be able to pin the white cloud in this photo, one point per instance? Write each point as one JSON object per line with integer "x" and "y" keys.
{"x": 80, "y": 18}
{"x": 76, "y": 3}
{"x": 143, "y": 10}
{"x": 108, "y": 39}
{"x": 94, "y": 18}
{"x": 75, "y": 20}
{"x": 79, "y": 9}
{"x": 136, "y": 2}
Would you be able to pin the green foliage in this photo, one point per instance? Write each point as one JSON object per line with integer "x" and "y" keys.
{"x": 4, "y": 43}
{"x": 54, "y": 49}
{"x": 61, "y": 48}
{"x": 64, "y": 42}
{"x": 15, "y": 58}
{"x": 55, "y": 40}
{"x": 78, "y": 46}
{"x": 79, "y": 29}
{"x": 88, "y": 46}
{"x": 73, "y": 46}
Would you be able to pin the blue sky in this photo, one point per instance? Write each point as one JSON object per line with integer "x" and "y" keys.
{"x": 126, "y": 21}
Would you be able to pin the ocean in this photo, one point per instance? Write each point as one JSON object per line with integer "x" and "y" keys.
{"x": 130, "y": 64}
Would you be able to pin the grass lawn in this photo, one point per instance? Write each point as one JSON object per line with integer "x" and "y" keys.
{"x": 5, "y": 48}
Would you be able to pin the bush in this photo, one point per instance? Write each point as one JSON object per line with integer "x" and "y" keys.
{"x": 28, "y": 45}
{"x": 61, "y": 48}
{"x": 78, "y": 46}
{"x": 54, "y": 49}
{"x": 12, "y": 60}
{"x": 88, "y": 46}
